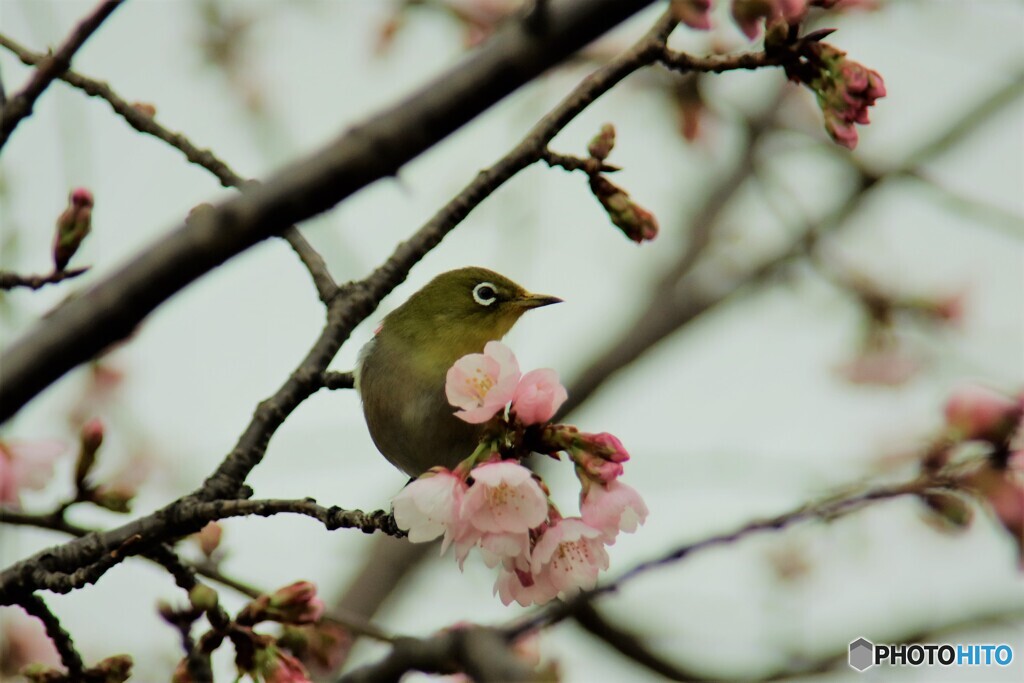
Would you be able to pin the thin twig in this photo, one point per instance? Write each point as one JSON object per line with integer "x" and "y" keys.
{"x": 13, "y": 280}
{"x": 826, "y": 511}
{"x": 69, "y": 656}
{"x": 79, "y": 329}
{"x": 20, "y": 105}
{"x": 143, "y": 122}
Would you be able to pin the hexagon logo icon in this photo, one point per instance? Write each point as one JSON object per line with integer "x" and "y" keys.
{"x": 862, "y": 654}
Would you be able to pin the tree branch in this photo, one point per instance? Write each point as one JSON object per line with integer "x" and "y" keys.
{"x": 826, "y": 510}
{"x": 325, "y": 285}
{"x": 69, "y": 656}
{"x": 515, "y": 54}
{"x": 13, "y": 280}
{"x": 20, "y": 105}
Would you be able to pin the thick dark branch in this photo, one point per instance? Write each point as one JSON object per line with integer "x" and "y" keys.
{"x": 13, "y": 280}
{"x": 35, "y": 606}
{"x": 339, "y": 380}
{"x": 20, "y": 105}
{"x": 514, "y": 55}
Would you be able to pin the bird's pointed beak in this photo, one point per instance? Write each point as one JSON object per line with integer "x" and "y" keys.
{"x": 537, "y": 300}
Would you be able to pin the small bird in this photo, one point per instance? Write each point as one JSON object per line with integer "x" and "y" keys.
{"x": 400, "y": 374}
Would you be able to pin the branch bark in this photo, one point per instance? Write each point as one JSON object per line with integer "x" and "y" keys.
{"x": 20, "y": 106}
{"x": 516, "y": 54}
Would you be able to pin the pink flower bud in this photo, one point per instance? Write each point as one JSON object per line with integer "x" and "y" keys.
{"x": 538, "y": 397}
{"x": 274, "y": 665}
{"x": 114, "y": 497}
{"x": 144, "y": 108}
{"x": 209, "y": 538}
{"x": 296, "y": 603}
{"x": 607, "y": 446}
{"x": 637, "y": 223}
{"x": 91, "y": 438}
{"x": 73, "y": 225}
{"x": 694, "y": 13}
{"x": 602, "y": 143}
{"x": 975, "y": 412}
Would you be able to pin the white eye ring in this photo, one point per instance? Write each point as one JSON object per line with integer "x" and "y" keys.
{"x": 485, "y": 288}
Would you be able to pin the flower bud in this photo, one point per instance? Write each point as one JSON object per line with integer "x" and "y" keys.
{"x": 605, "y": 445}
{"x": 91, "y": 438}
{"x": 602, "y": 143}
{"x": 637, "y": 223}
{"x": 296, "y": 603}
{"x": 974, "y": 412}
{"x": 144, "y": 108}
{"x": 72, "y": 227}
{"x": 115, "y": 498}
{"x": 845, "y": 89}
{"x": 209, "y": 538}
{"x": 203, "y": 598}
{"x": 116, "y": 669}
{"x": 951, "y": 509}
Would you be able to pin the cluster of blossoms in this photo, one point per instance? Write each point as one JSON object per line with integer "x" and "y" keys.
{"x": 296, "y": 607}
{"x": 501, "y": 508}
{"x": 845, "y": 90}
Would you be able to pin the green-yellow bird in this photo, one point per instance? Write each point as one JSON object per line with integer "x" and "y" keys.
{"x": 401, "y": 372}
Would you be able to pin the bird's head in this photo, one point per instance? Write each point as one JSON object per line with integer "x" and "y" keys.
{"x": 462, "y": 310}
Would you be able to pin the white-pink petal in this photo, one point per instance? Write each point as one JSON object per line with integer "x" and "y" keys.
{"x": 613, "y": 508}
{"x": 570, "y": 554}
{"x": 504, "y": 498}
{"x": 482, "y": 384}
{"x": 429, "y": 507}
{"x": 509, "y": 587}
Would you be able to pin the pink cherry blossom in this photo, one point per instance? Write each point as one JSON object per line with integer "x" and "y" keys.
{"x": 538, "y": 396}
{"x": 481, "y": 384}
{"x": 505, "y": 549}
{"x": 26, "y": 465}
{"x": 613, "y": 508}
{"x": 569, "y": 554}
{"x": 429, "y": 506}
{"x": 521, "y": 586}
{"x": 504, "y": 498}
{"x": 977, "y": 412}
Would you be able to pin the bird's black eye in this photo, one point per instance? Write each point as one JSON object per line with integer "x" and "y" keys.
{"x": 484, "y": 294}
